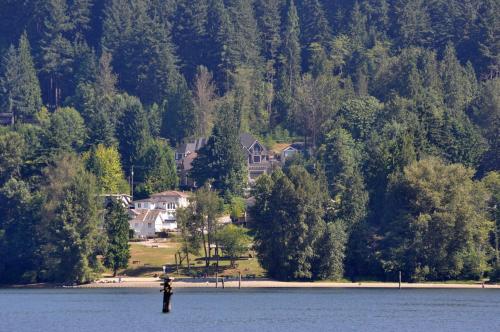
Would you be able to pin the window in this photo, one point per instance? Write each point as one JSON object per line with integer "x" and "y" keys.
{"x": 149, "y": 225}
{"x": 256, "y": 159}
{"x": 139, "y": 205}
{"x": 136, "y": 224}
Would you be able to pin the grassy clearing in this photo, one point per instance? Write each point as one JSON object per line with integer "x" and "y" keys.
{"x": 147, "y": 262}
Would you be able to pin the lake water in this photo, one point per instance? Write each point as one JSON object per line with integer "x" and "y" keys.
{"x": 257, "y": 310}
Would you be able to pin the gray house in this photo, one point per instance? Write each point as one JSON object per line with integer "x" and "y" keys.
{"x": 184, "y": 156}
{"x": 257, "y": 157}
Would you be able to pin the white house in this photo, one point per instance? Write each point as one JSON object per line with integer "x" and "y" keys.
{"x": 146, "y": 223}
{"x": 157, "y": 213}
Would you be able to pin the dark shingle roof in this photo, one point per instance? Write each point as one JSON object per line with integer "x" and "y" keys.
{"x": 247, "y": 140}
{"x": 193, "y": 146}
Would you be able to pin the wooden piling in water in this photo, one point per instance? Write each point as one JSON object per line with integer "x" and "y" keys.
{"x": 167, "y": 295}
{"x": 239, "y": 280}
{"x": 399, "y": 279}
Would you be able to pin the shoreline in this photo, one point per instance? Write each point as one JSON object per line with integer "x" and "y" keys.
{"x": 130, "y": 282}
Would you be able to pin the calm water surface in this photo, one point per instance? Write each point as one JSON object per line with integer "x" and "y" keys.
{"x": 274, "y": 310}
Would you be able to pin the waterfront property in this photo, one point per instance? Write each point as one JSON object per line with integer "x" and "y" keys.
{"x": 157, "y": 213}
{"x": 184, "y": 156}
{"x": 284, "y": 151}
{"x": 259, "y": 159}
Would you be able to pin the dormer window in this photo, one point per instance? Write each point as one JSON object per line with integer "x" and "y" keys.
{"x": 139, "y": 205}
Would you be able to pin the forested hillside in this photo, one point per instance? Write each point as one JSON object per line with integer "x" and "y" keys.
{"x": 397, "y": 101}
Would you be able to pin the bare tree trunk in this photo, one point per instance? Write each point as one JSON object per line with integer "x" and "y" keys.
{"x": 206, "y": 252}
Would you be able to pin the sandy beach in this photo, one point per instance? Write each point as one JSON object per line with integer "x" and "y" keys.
{"x": 129, "y": 282}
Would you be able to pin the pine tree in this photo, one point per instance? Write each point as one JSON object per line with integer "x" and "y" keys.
{"x": 345, "y": 181}
{"x": 268, "y": 13}
{"x": 222, "y": 160}
{"x": 132, "y": 131}
{"x": 289, "y": 225}
{"x": 189, "y": 35}
{"x": 331, "y": 252}
{"x": 358, "y": 27}
{"x": 117, "y": 231}
{"x": 80, "y": 15}
{"x": 221, "y": 56}
{"x": 157, "y": 170}
{"x": 19, "y": 87}
{"x": 179, "y": 118}
{"x": 142, "y": 50}
{"x": 12, "y": 150}
{"x": 314, "y": 28}
{"x": 489, "y": 38}
{"x": 486, "y": 114}
{"x": 377, "y": 18}
{"x": 57, "y": 51}
{"x": 245, "y": 37}
{"x": 64, "y": 132}
{"x": 20, "y": 238}
{"x": 289, "y": 70}
{"x": 96, "y": 101}
{"x": 413, "y": 22}
{"x": 458, "y": 86}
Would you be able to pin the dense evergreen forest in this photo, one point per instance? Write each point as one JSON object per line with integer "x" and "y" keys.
{"x": 397, "y": 101}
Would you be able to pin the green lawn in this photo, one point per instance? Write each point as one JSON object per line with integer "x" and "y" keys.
{"x": 147, "y": 262}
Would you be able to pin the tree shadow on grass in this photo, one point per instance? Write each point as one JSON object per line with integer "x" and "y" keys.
{"x": 142, "y": 271}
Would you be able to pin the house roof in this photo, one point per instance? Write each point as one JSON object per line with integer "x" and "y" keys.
{"x": 138, "y": 215}
{"x": 158, "y": 197}
{"x": 247, "y": 140}
{"x": 278, "y": 147}
{"x": 193, "y": 146}
{"x": 145, "y": 215}
{"x": 187, "y": 163}
{"x": 152, "y": 215}
{"x": 298, "y": 145}
{"x": 171, "y": 193}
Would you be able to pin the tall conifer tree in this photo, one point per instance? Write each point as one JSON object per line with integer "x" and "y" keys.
{"x": 289, "y": 64}
{"x": 19, "y": 86}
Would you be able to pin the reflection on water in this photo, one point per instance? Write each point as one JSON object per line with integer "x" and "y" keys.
{"x": 251, "y": 310}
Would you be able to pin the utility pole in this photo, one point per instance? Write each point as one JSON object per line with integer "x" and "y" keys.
{"x": 132, "y": 182}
